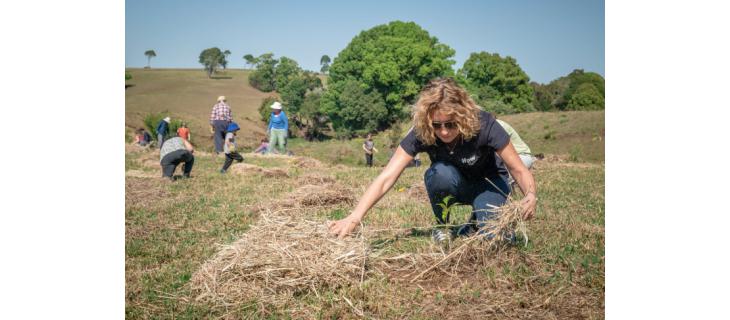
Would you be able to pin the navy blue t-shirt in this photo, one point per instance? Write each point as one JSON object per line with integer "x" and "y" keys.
{"x": 475, "y": 158}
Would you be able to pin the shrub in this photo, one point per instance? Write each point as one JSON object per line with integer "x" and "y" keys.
{"x": 153, "y": 119}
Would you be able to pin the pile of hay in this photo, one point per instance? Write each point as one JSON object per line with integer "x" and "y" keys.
{"x": 319, "y": 195}
{"x": 316, "y": 179}
{"x": 245, "y": 168}
{"x": 305, "y": 162}
{"x": 278, "y": 258}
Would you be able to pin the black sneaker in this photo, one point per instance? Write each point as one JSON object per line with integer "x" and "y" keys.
{"x": 466, "y": 230}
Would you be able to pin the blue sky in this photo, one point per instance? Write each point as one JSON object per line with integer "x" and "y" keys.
{"x": 548, "y": 38}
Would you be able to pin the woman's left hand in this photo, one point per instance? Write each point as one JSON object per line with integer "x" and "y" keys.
{"x": 529, "y": 203}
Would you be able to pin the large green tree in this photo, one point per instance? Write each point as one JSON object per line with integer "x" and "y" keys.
{"x": 211, "y": 59}
{"x": 559, "y": 94}
{"x": 492, "y": 78}
{"x": 150, "y": 54}
{"x": 391, "y": 62}
{"x": 286, "y": 70}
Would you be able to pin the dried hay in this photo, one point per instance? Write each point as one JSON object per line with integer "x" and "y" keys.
{"x": 306, "y": 162}
{"x": 152, "y": 164}
{"x": 319, "y": 195}
{"x": 315, "y": 178}
{"x": 280, "y": 257}
{"x": 140, "y": 174}
{"x": 245, "y": 168}
{"x": 487, "y": 240}
{"x": 418, "y": 192}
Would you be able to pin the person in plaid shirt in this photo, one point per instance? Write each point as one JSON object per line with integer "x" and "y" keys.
{"x": 220, "y": 117}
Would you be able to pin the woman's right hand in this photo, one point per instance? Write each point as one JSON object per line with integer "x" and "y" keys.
{"x": 342, "y": 228}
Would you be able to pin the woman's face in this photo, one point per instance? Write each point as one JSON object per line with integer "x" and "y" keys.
{"x": 444, "y": 127}
{"x": 277, "y": 111}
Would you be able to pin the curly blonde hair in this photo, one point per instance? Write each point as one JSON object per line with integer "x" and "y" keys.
{"x": 444, "y": 95}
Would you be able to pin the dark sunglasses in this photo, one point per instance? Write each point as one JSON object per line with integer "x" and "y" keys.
{"x": 448, "y": 125}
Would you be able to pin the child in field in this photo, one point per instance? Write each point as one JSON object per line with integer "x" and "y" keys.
{"x": 229, "y": 147}
{"x": 263, "y": 147}
{"x": 184, "y": 132}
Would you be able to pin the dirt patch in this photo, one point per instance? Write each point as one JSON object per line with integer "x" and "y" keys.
{"x": 245, "y": 168}
{"x": 140, "y": 174}
{"x": 278, "y": 258}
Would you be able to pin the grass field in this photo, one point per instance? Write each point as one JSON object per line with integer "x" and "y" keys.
{"x": 172, "y": 229}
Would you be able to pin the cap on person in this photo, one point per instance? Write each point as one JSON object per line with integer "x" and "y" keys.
{"x": 232, "y": 127}
{"x": 167, "y": 119}
{"x": 276, "y": 105}
{"x": 221, "y": 98}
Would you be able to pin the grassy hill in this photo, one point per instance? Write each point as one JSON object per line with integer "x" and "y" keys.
{"x": 173, "y": 229}
{"x": 189, "y": 95}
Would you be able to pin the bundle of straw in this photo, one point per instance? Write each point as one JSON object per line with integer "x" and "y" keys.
{"x": 277, "y": 258}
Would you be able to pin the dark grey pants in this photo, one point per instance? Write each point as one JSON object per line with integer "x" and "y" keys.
{"x": 219, "y": 134}
{"x": 172, "y": 159}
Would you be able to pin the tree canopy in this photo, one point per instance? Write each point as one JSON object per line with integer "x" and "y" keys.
{"x": 491, "y": 79}
{"x": 211, "y": 59}
{"x": 578, "y": 90}
{"x": 325, "y": 62}
{"x": 391, "y": 62}
{"x": 250, "y": 60}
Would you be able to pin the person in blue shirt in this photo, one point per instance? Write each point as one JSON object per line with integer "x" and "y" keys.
{"x": 162, "y": 129}
{"x": 278, "y": 129}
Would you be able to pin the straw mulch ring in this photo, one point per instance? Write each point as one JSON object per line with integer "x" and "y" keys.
{"x": 280, "y": 257}
{"x": 305, "y": 162}
{"x": 460, "y": 253}
{"x": 315, "y": 178}
{"x": 245, "y": 168}
{"x": 319, "y": 195}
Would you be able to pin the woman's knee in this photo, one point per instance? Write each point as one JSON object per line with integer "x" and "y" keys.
{"x": 441, "y": 177}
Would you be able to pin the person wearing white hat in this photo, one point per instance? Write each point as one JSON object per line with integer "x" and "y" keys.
{"x": 278, "y": 129}
{"x": 162, "y": 129}
{"x": 220, "y": 117}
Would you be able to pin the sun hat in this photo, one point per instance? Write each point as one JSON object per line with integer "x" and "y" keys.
{"x": 276, "y": 105}
{"x": 221, "y": 98}
{"x": 167, "y": 119}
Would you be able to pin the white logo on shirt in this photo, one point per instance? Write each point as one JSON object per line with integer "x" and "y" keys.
{"x": 470, "y": 161}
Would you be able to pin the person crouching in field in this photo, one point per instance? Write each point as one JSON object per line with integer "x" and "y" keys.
{"x": 229, "y": 147}
{"x": 461, "y": 140}
{"x": 369, "y": 147}
{"x": 142, "y": 138}
{"x": 520, "y": 146}
{"x": 174, "y": 151}
{"x": 263, "y": 147}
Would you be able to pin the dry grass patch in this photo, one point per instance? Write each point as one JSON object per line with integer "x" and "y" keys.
{"x": 245, "y": 168}
{"x": 278, "y": 258}
{"x": 144, "y": 192}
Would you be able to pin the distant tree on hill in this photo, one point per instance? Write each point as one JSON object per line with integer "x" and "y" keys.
{"x": 263, "y": 78}
{"x": 578, "y": 90}
{"x": 127, "y": 76}
{"x": 325, "y": 62}
{"x": 387, "y": 66}
{"x": 211, "y": 59}
{"x": 250, "y": 60}
{"x": 225, "y": 60}
{"x": 150, "y": 54}
{"x": 496, "y": 79}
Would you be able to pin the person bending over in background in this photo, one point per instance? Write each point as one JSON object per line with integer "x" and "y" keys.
{"x": 162, "y": 130}
{"x": 220, "y": 117}
{"x": 174, "y": 151}
{"x": 520, "y": 146}
{"x": 461, "y": 140}
{"x": 142, "y": 138}
{"x": 278, "y": 129}
{"x": 263, "y": 147}
{"x": 229, "y": 147}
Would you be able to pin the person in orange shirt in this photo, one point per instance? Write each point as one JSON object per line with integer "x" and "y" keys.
{"x": 184, "y": 132}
